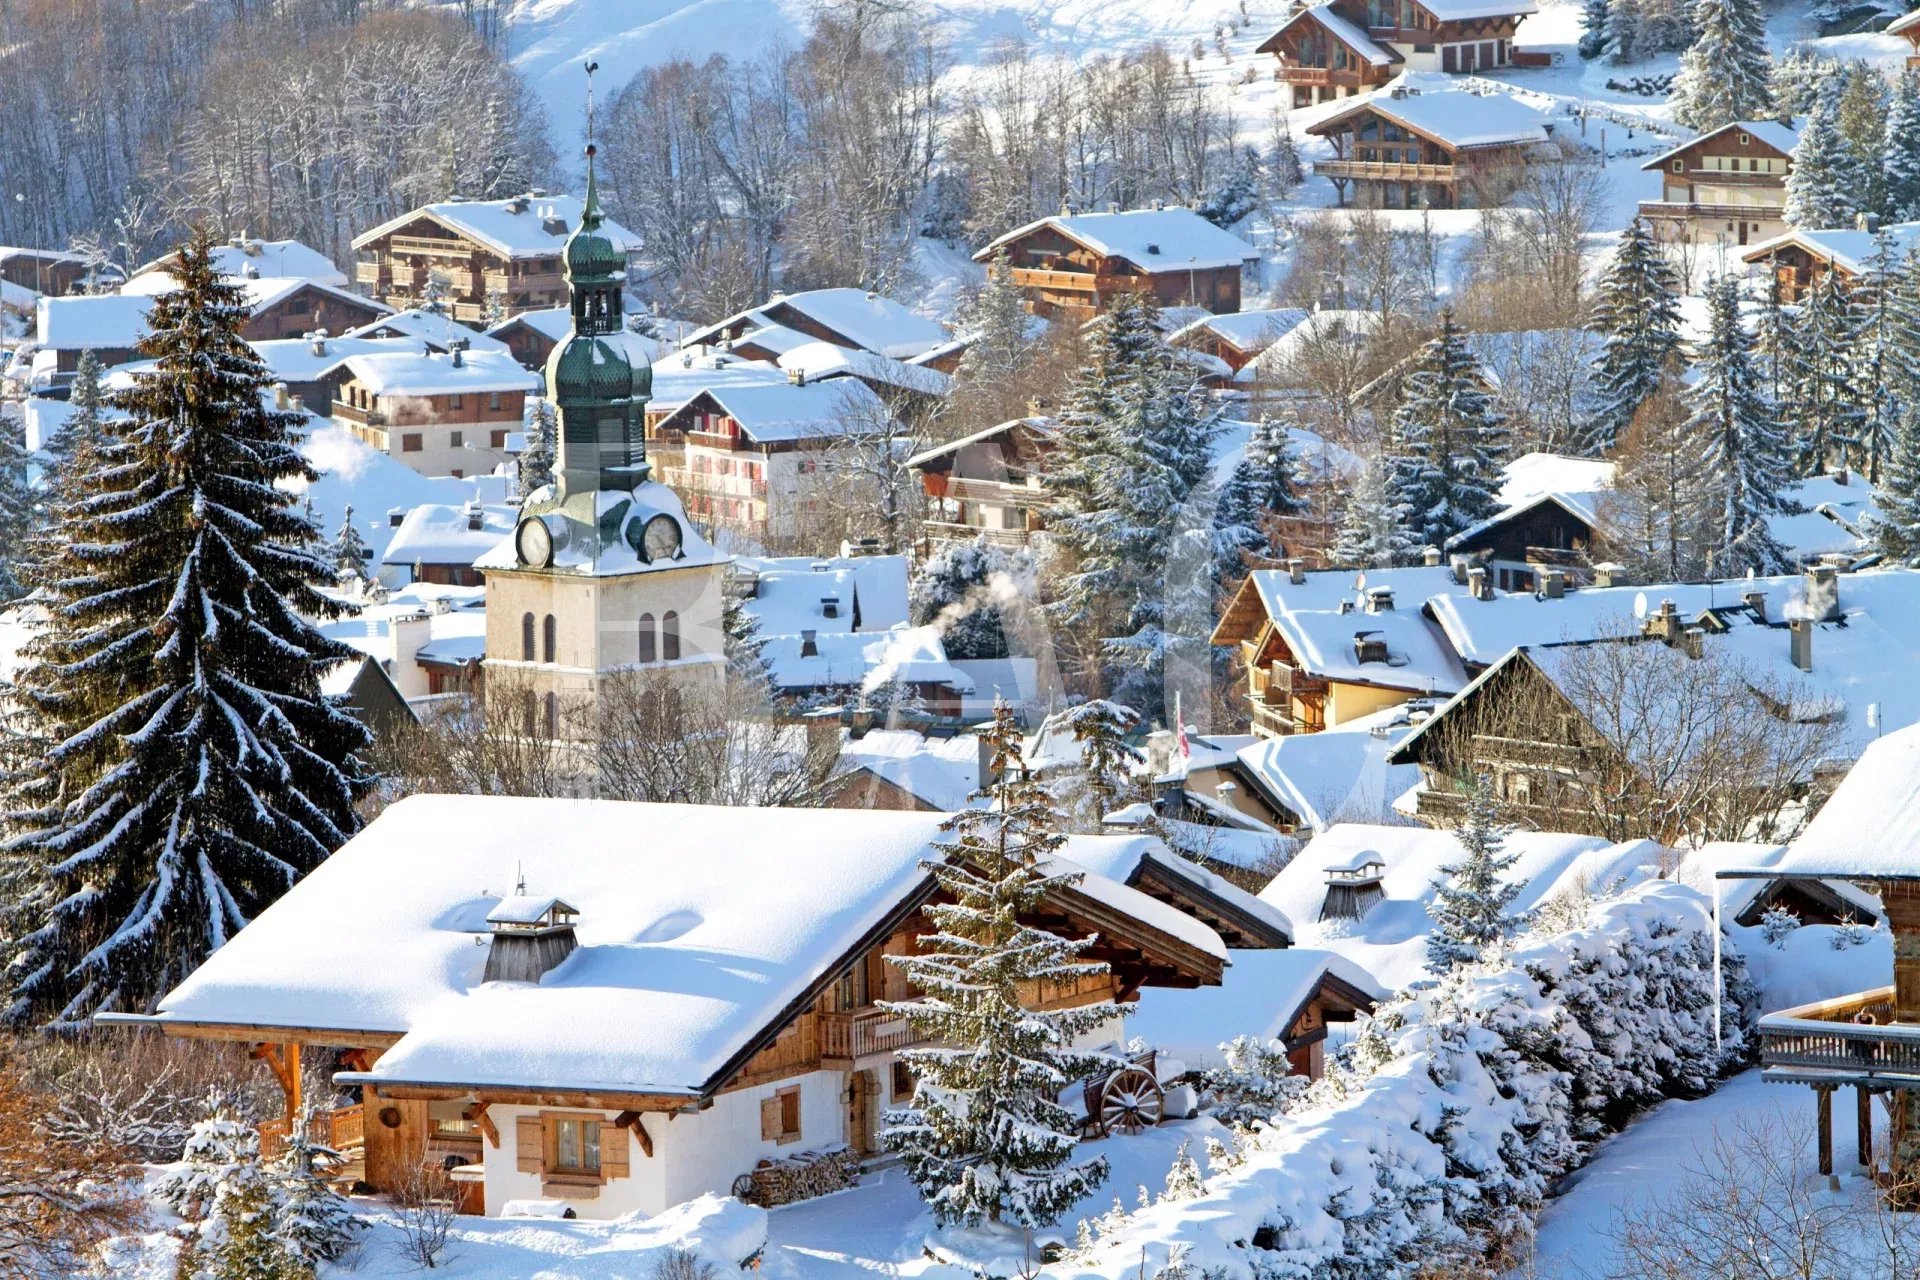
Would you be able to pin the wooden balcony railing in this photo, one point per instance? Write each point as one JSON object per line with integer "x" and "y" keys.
{"x": 1848, "y": 1039}
{"x": 432, "y": 247}
{"x": 954, "y": 531}
{"x": 1385, "y": 170}
{"x": 1076, "y": 281}
{"x": 343, "y": 1129}
{"x": 1655, "y": 209}
{"x": 1276, "y": 720}
{"x": 846, "y": 1036}
{"x": 353, "y": 413}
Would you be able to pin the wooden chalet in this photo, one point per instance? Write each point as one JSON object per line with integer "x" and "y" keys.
{"x": 532, "y": 335}
{"x": 987, "y": 485}
{"x": 1338, "y": 49}
{"x": 1074, "y": 264}
{"x": 1868, "y": 834}
{"x": 488, "y": 257}
{"x": 45, "y": 271}
{"x": 648, "y": 1017}
{"x": 1237, "y": 338}
{"x": 1328, "y": 647}
{"x": 1728, "y": 186}
{"x": 1448, "y": 148}
{"x": 1907, "y": 27}
{"x": 1798, "y": 259}
{"x": 851, "y": 318}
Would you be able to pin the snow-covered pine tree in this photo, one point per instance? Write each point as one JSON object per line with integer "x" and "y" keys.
{"x": 1448, "y": 442}
{"x": 1658, "y": 515}
{"x": 536, "y": 460}
{"x": 1822, "y": 412}
{"x": 962, "y": 588}
{"x": 1470, "y": 906}
{"x": 1725, "y": 74}
{"x": 197, "y": 771}
{"x": 1774, "y": 340}
{"x": 72, "y": 448}
{"x": 1885, "y": 356}
{"x": 1256, "y": 1082}
{"x": 1259, "y": 490}
{"x": 1900, "y": 162}
{"x": 984, "y": 1138}
{"x": 1283, "y": 168}
{"x": 1746, "y": 458}
{"x": 1237, "y": 193}
{"x": 1799, "y": 78}
{"x": 1595, "y": 35}
{"x": 348, "y": 553}
{"x": 1104, "y": 781}
{"x": 1637, "y": 314}
{"x": 1896, "y": 527}
{"x": 1860, "y": 111}
{"x": 312, "y": 1222}
{"x": 17, "y": 504}
{"x": 1823, "y": 186}
{"x": 1373, "y": 532}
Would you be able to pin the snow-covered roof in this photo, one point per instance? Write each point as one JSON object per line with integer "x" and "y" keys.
{"x": 769, "y": 412}
{"x": 1780, "y": 137}
{"x": 1342, "y": 30}
{"x": 527, "y": 908}
{"x": 868, "y": 659}
{"x": 1250, "y": 331}
{"x": 1458, "y": 118}
{"x": 1154, "y": 240}
{"x": 818, "y": 360}
{"x": 1464, "y": 10}
{"x": 296, "y": 360}
{"x": 789, "y": 592}
{"x": 438, "y": 330}
{"x": 689, "y": 952}
{"x": 869, "y": 321}
{"x": 1260, "y": 996}
{"x": 442, "y": 533}
{"x": 1039, "y": 426}
{"x": 1869, "y": 829}
{"x": 1905, "y": 22}
{"x": 549, "y": 322}
{"x": 1124, "y": 858}
{"x": 1531, "y": 474}
{"x": 354, "y": 473}
{"x": 528, "y": 226}
{"x": 1351, "y": 328}
{"x": 941, "y": 772}
{"x": 1339, "y": 775}
{"x": 679, "y": 378}
{"x": 775, "y": 338}
{"x": 1701, "y": 867}
{"x": 1321, "y": 617}
{"x": 108, "y": 320}
{"x": 251, "y": 259}
{"x": 1848, "y": 248}
{"x": 425, "y": 373}
{"x": 1389, "y": 942}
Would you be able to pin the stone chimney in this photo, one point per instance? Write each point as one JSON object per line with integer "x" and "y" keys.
{"x": 797, "y": 376}
{"x": 1459, "y": 566}
{"x": 1663, "y": 624}
{"x": 1823, "y": 592}
{"x": 1694, "y": 642}
{"x": 1477, "y": 583}
{"x": 529, "y": 938}
{"x": 317, "y": 342}
{"x": 1553, "y": 584}
{"x": 476, "y": 517}
{"x": 1609, "y": 574}
{"x": 1379, "y": 599}
{"x": 1800, "y": 643}
{"x": 1867, "y": 222}
{"x": 1431, "y": 557}
{"x": 1296, "y": 571}
{"x": 1756, "y": 600}
{"x": 458, "y": 350}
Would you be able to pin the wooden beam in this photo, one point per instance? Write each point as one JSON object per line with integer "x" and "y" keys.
{"x": 584, "y": 1099}
{"x": 1825, "y": 1122}
{"x": 477, "y": 1115}
{"x": 1863, "y": 1125}
{"x": 333, "y": 1037}
{"x": 631, "y": 1120}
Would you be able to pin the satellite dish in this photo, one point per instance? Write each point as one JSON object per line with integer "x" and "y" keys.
{"x": 1639, "y": 604}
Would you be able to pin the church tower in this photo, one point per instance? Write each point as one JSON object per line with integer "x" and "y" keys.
{"x": 604, "y": 575}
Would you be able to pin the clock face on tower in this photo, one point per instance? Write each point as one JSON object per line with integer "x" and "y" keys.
{"x": 660, "y": 539}
{"x": 534, "y": 543}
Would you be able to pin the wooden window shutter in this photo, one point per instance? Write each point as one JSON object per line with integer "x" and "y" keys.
{"x": 529, "y": 1141}
{"x": 614, "y": 1141}
{"x": 769, "y": 1118}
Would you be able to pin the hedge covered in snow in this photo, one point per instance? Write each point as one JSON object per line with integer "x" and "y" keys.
{"x": 1441, "y": 1128}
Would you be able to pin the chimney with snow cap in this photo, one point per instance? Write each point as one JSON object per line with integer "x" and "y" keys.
{"x": 1379, "y": 599}
{"x": 1431, "y": 556}
{"x": 528, "y": 938}
{"x": 1477, "y": 583}
{"x": 1800, "y": 643}
{"x": 1296, "y": 571}
{"x": 1553, "y": 583}
{"x": 1823, "y": 592}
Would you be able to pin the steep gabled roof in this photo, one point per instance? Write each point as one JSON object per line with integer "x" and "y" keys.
{"x": 1849, "y": 248}
{"x": 1458, "y": 119}
{"x": 1154, "y": 240}
{"x": 517, "y": 227}
{"x": 1336, "y": 25}
{"x": 1778, "y": 137}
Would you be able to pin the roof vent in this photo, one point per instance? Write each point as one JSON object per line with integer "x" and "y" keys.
{"x": 829, "y": 606}
{"x": 517, "y": 205}
{"x": 797, "y": 376}
{"x": 1432, "y": 557}
{"x": 1379, "y": 599}
{"x": 1477, "y": 583}
{"x": 529, "y": 938}
{"x": 554, "y": 225}
{"x": 396, "y": 516}
{"x": 1553, "y": 583}
{"x": 1353, "y": 886}
{"x": 1369, "y": 646}
{"x": 538, "y": 193}
{"x": 1867, "y": 222}
{"x": 476, "y": 518}
{"x": 250, "y": 272}
{"x": 1113, "y": 206}
{"x": 809, "y": 644}
{"x": 458, "y": 349}
{"x": 1296, "y": 571}
{"x": 317, "y": 342}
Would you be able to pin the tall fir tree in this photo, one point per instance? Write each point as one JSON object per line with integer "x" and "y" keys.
{"x": 1746, "y": 458}
{"x": 1471, "y": 908}
{"x": 196, "y": 770}
{"x": 1259, "y": 491}
{"x": 1822, "y": 412}
{"x": 1595, "y": 34}
{"x": 17, "y": 510}
{"x": 1896, "y": 525}
{"x": 1448, "y": 442}
{"x": 1886, "y": 353}
{"x": 1658, "y": 515}
{"x": 1775, "y": 337}
{"x": 1373, "y": 530}
{"x": 1860, "y": 112}
{"x": 348, "y": 553}
{"x": 1725, "y": 75}
{"x": 536, "y": 460}
{"x": 984, "y": 1137}
{"x": 1136, "y": 439}
{"x": 1900, "y": 160}
{"x": 1637, "y": 314}
{"x": 1824, "y": 186}
{"x": 1097, "y": 732}
{"x": 72, "y": 450}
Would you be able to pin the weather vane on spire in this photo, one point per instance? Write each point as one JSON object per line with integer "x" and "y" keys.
{"x": 591, "y": 68}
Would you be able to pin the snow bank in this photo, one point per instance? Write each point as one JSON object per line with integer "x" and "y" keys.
{"x": 1457, "y": 1108}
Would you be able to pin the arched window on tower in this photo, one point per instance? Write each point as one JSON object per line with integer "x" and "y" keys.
{"x": 526, "y": 637}
{"x": 670, "y": 635}
{"x": 647, "y": 647}
{"x": 549, "y": 640}
{"x": 550, "y": 706}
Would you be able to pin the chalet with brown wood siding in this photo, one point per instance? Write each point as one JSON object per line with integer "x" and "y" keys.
{"x": 1798, "y": 259}
{"x": 1074, "y": 264}
{"x": 1727, "y": 186}
{"x": 1345, "y": 47}
{"x": 1448, "y": 148}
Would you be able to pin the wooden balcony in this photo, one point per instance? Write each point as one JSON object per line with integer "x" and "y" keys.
{"x": 372, "y": 273}
{"x": 1076, "y": 281}
{"x": 1655, "y": 210}
{"x": 1271, "y": 719}
{"x": 1385, "y": 171}
{"x": 343, "y": 1129}
{"x": 428, "y": 246}
{"x": 846, "y": 1037}
{"x": 1528, "y": 751}
{"x": 362, "y": 417}
{"x": 1332, "y": 77}
{"x": 954, "y": 531}
{"x": 1848, "y": 1040}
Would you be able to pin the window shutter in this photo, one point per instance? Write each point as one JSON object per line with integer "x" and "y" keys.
{"x": 529, "y": 1141}
{"x": 613, "y": 1150}
{"x": 769, "y": 1119}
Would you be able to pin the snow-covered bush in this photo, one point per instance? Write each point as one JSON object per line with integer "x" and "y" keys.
{"x": 1848, "y": 933}
{"x": 1776, "y": 923}
{"x": 962, "y": 588}
{"x": 311, "y": 1220}
{"x": 1436, "y": 1133}
{"x": 1256, "y": 1083}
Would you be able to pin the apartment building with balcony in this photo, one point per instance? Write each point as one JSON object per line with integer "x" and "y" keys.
{"x": 442, "y": 413}
{"x": 490, "y": 259}
{"x": 1727, "y": 186}
{"x": 1448, "y": 148}
{"x": 1073, "y": 264}
{"x": 1347, "y": 47}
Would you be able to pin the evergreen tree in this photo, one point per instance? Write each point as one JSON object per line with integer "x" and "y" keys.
{"x": 963, "y": 589}
{"x": 536, "y": 460}
{"x": 1860, "y": 112}
{"x": 1373, "y": 532}
{"x": 1724, "y": 75}
{"x": 1823, "y": 186}
{"x": 1136, "y": 439}
{"x": 17, "y": 503}
{"x": 1448, "y": 442}
{"x": 1896, "y": 526}
{"x": 1103, "y": 781}
{"x": 1900, "y": 162}
{"x": 1822, "y": 411}
{"x": 74, "y": 446}
{"x": 990, "y": 384}
{"x": 984, "y": 1138}
{"x": 312, "y": 1223}
{"x": 1885, "y": 355}
{"x": 1799, "y": 79}
{"x": 1658, "y": 516}
{"x": 1259, "y": 491}
{"x": 349, "y": 554}
{"x": 1470, "y": 906}
{"x": 1637, "y": 315}
{"x": 1775, "y": 337}
{"x": 196, "y": 771}
{"x": 1237, "y": 193}
{"x": 747, "y": 662}
{"x": 1595, "y": 35}
{"x": 1746, "y": 459}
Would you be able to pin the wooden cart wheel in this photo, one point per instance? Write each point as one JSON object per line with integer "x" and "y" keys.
{"x": 743, "y": 1188}
{"x": 1130, "y": 1101}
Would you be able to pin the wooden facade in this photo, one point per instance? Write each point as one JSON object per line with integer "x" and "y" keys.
{"x": 1796, "y": 265}
{"x": 45, "y": 271}
{"x": 1345, "y": 47}
{"x": 397, "y": 267}
{"x": 1065, "y": 278}
{"x": 1521, "y": 545}
{"x": 989, "y": 485}
{"x": 1382, "y": 162}
{"x": 1907, "y": 27}
{"x": 1725, "y": 187}
{"x": 307, "y": 308}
